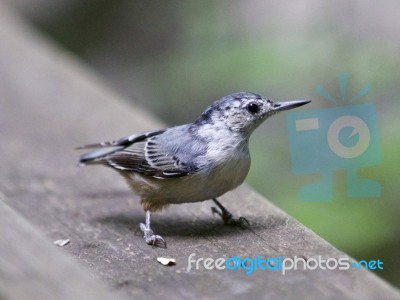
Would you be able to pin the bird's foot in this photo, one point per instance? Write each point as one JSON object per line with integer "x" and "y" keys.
{"x": 152, "y": 239}
{"x": 228, "y": 218}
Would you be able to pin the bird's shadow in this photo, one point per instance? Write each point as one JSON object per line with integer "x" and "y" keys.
{"x": 178, "y": 223}
{"x": 185, "y": 226}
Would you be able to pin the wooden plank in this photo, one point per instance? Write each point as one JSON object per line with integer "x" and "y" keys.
{"x": 32, "y": 268}
{"x": 50, "y": 104}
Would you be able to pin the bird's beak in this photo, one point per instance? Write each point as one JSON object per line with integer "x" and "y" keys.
{"x": 280, "y": 106}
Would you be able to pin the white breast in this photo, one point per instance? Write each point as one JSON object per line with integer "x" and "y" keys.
{"x": 227, "y": 169}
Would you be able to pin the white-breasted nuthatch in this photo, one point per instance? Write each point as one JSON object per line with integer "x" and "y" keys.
{"x": 193, "y": 162}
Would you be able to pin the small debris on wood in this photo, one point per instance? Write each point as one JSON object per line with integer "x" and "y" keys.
{"x": 61, "y": 243}
{"x": 166, "y": 261}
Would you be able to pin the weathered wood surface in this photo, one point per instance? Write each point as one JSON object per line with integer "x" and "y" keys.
{"x": 51, "y": 103}
{"x": 31, "y": 267}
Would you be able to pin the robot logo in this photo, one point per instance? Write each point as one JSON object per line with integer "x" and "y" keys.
{"x": 345, "y": 137}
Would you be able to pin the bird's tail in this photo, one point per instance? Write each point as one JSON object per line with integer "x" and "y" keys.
{"x": 97, "y": 155}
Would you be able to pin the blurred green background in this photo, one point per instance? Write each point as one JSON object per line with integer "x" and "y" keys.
{"x": 176, "y": 57}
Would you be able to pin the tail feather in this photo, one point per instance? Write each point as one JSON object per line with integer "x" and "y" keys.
{"x": 106, "y": 148}
{"x": 98, "y": 154}
{"x": 97, "y": 145}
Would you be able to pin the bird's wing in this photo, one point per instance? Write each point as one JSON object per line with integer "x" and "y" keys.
{"x": 162, "y": 154}
{"x": 104, "y": 149}
{"x": 125, "y": 141}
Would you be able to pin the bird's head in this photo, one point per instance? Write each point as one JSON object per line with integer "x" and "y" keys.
{"x": 243, "y": 112}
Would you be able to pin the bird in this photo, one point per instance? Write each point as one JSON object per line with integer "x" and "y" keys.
{"x": 193, "y": 162}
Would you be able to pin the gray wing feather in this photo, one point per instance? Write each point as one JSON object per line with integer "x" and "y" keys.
{"x": 162, "y": 154}
{"x": 125, "y": 141}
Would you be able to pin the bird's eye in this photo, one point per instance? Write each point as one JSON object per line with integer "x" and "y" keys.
{"x": 253, "y": 108}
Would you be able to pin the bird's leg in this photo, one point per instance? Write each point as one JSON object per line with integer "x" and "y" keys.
{"x": 227, "y": 217}
{"x": 149, "y": 236}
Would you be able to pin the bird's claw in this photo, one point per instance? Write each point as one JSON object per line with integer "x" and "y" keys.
{"x": 228, "y": 218}
{"x": 242, "y": 222}
{"x": 152, "y": 239}
{"x": 156, "y": 241}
